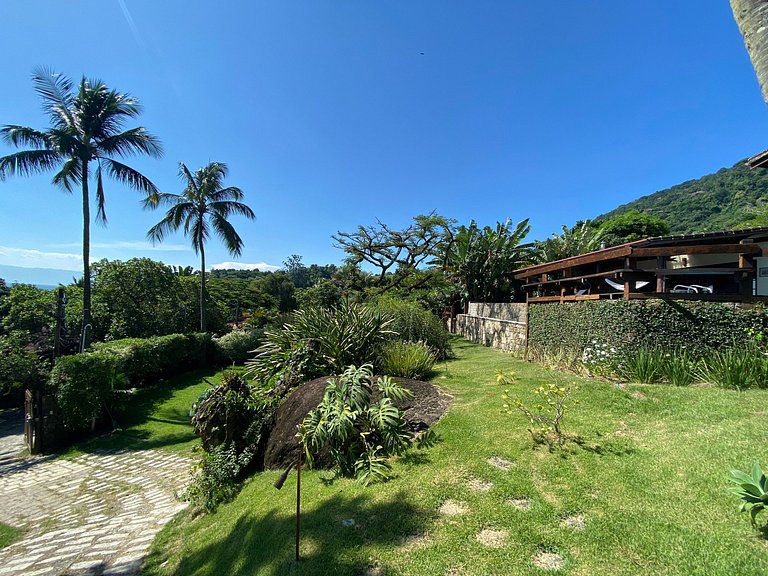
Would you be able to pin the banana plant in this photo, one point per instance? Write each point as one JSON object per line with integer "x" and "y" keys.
{"x": 753, "y": 490}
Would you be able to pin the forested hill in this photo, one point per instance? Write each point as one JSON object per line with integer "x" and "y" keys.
{"x": 729, "y": 198}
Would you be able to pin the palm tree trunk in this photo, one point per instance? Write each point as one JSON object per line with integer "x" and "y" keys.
{"x": 87, "y": 318}
{"x": 202, "y": 287}
{"x": 752, "y": 18}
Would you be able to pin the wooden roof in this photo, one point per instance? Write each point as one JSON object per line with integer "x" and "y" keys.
{"x": 723, "y": 242}
{"x": 758, "y": 160}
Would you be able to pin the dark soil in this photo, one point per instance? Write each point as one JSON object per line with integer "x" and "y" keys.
{"x": 427, "y": 406}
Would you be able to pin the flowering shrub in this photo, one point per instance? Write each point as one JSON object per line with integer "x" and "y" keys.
{"x": 601, "y": 358}
{"x": 546, "y": 416}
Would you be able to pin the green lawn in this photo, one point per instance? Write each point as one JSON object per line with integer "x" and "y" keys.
{"x": 156, "y": 417}
{"x": 8, "y": 535}
{"x": 648, "y": 480}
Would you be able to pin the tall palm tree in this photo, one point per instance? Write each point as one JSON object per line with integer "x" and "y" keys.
{"x": 87, "y": 127}
{"x": 202, "y": 208}
{"x": 752, "y": 18}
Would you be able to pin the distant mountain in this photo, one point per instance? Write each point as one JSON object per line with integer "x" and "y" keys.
{"x": 42, "y": 277}
{"x": 729, "y": 198}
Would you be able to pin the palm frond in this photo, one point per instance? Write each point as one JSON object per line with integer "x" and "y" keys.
{"x": 28, "y": 162}
{"x": 69, "y": 175}
{"x": 56, "y": 91}
{"x": 225, "y": 208}
{"x": 129, "y": 176}
{"x": 23, "y": 136}
{"x": 133, "y": 141}
{"x": 101, "y": 215}
{"x": 187, "y": 176}
{"x": 227, "y": 233}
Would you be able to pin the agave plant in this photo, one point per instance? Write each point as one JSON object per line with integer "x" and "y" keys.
{"x": 753, "y": 490}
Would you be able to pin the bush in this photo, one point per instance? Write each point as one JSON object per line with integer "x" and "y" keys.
{"x": 358, "y": 432}
{"x": 317, "y": 342}
{"x": 412, "y": 323}
{"x": 82, "y": 384}
{"x": 737, "y": 368}
{"x": 642, "y": 366}
{"x": 406, "y": 359}
{"x": 545, "y": 417}
{"x": 237, "y": 346}
{"x": 215, "y": 479}
{"x": 20, "y": 367}
{"x": 752, "y": 489}
{"x": 677, "y": 368}
{"x": 143, "y": 360}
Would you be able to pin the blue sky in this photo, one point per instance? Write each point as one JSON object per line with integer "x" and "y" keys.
{"x": 333, "y": 114}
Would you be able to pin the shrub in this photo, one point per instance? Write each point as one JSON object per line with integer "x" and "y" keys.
{"x": 82, "y": 384}
{"x": 317, "y": 342}
{"x": 237, "y": 346}
{"x": 642, "y": 365}
{"x": 215, "y": 478}
{"x": 677, "y": 368}
{"x": 20, "y": 367}
{"x": 546, "y": 416}
{"x": 359, "y": 432}
{"x": 143, "y": 360}
{"x": 412, "y": 323}
{"x": 231, "y": 414}
{"x": 406, "y": 359}
{"x": 753, "y": 490}
{"x": 737, "y": 368}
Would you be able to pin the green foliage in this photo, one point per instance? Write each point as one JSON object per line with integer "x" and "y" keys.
{"x": 479, "y": 260}
{"x": 318, "y": 342}
{"x": 677, "y": 367}
{"x": 699, "y": 327}
{"x": 82, "y": 384}
{"x": 642, "y": 365}
{"x": 580, "y": 239}
{"x": 215, "y": 479}
{"x": 505, "y": 377}
{"x": 737, "y": 367}
{"x": 144, "y": 360}
{"x": 630, "y": 226}
{"x": 324, "y": 294}
{"x": 729, "y": 198}
{"x": 406, "y": 359}
{"x": 752, "y": 489}
{"x": 27, "y": 308}
{"x": 358, "y": 424}
{"x": 20, "y": 367}
{"x": 237, "y": 346}
{"x": 546, "y": 416}
{"x": 413, "y": 323}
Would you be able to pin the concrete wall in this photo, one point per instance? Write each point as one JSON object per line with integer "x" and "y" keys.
{"x": 501, "y": 325}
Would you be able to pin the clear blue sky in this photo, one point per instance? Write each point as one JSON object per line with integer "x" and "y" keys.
{"x": 333, "y": 114}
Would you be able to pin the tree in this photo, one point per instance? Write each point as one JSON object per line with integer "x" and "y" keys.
{"x": 297, "y": 271}
{"x": 396, "y": 254}
{"x": 203, "y": 207}
{"x": 479, "y": 260}
{"x": 631, "y": 226}
{"x": 580, "y": 239}
{"x": 752, "y": 19}
{"x": 87, "y": 126}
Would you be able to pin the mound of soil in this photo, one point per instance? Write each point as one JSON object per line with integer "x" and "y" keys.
{"x": 427, "y": 406}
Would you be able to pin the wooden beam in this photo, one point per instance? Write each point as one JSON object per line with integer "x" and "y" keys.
{"x": 661, "y": 280}
{"x": 591, "y": 258}
{"x": 697, "y": 249}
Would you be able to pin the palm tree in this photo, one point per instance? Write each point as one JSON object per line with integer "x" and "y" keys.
{"x": 580, "y": 239}
{"x": 203, "y": 207}
{"x": 752, "y": 18}
{"x": 87, "y": 126}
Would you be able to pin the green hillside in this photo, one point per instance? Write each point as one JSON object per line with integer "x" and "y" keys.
{"x": 729, "y": 198}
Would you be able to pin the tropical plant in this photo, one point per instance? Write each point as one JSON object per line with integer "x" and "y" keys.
{"x": 546, "y": 416}
{"x": 413, "y": 323}
{"x": 736, "y": 367}
{"x": 750, "y": 16}
{"x": 406, "y": 359}
{"x": 678, "y": 368}
{"x": 479, "y": 260}
{"x": 87, "y": 127}
{"x": 642, "y": 365}
{"x": 203, "y": 207}
{"x": 752, "y": 489}
{"x": 319, "y": 342}
{"x": 579, "y": 239}
{"x": 358, "y": 424}
{"x": 237, "y": 346}
{"x": 215, "y": 477}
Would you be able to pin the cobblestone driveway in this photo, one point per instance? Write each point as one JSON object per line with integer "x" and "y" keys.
{"x": 95, "y": 514}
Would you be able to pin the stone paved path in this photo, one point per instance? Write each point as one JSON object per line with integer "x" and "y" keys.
{"x": 95, "y": 514}
{"x": 11, "y": 435}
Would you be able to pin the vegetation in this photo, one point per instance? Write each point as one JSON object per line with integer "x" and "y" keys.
{"x": 406, "y": 359}
{"x": 647, "y": 457}
{"x": 8, "y": 535}
{"x": 579, "y": 239}
{"x": 730, "y": 198}
{"x": 630, "y": 226}
{"x": 237, "y": 346}
{"x": 412, "y": 323}
{"x": 215, "y": 478}
{"x": 358, "y": 424}
{"x": 753, "y": 490}
{"x": 546, "y": 416}
{"x": 87, "y": 127}
{"x": 203, "y": 208}
{"x": 82, "y": 384}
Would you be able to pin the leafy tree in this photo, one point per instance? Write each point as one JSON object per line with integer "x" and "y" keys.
{"x": 203, "y": 207}
{"x": 395, "y": 254}
{"x": 297, "y": 271}
{"x": 630, "y": 226}
{"x": 580, "y": 239}
{"x": 324, "y": 294}
{"x": 87, "y": 127}
{"x": 279, "y": 286}
{"x": 28, "y": 311}
{"x": 479, "y": 260}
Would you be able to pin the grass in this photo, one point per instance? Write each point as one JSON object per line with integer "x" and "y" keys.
{"x": 648, "y": 476}
{"x": 155, "y": 417}
{"x": 8, "y": 535}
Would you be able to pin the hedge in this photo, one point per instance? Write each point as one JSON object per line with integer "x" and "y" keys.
{"x": 82, "y": 384}
{"x": 699, "y": 327}
{"x": 143, "y": 360}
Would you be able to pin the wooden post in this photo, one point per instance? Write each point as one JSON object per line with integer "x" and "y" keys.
{"x": 661, "y": 280}
{"x": 746, "y": 270}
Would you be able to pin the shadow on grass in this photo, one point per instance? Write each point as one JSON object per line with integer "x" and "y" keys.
{"x": 263, "y": 543}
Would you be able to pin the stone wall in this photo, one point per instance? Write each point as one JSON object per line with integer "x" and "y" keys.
{"x": 500, "y": 325}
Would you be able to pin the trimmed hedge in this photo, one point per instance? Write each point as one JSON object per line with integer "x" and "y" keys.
{"x": 699, "y": 327}
{"x": 82, "y": 384}
{"x": 142, "y": 360}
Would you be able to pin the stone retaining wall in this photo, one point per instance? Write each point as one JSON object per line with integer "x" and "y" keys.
{"x": 500, "y": 325}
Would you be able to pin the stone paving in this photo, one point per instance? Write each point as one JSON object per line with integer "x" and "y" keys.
{"x": 96, "y": 514}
